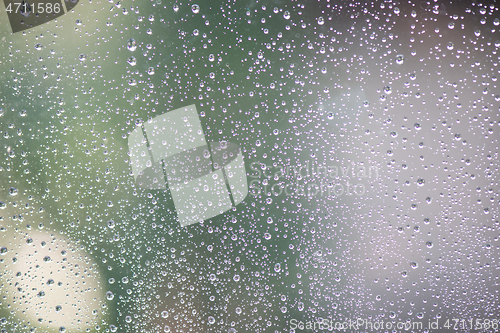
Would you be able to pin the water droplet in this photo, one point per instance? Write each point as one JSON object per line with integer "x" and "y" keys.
{"x": 58, "y": 308}
{"x": 277, "y": 267}
{"x": 321, "y": 20}
{"x": 3, "y": 250}
{"x": 151, "y": 70}
{"x": 195, "y": 9}
{"x": 109, "y": 295}
{"x": 420, "y": 182}
{"x": 211, "y": 320}
{"x": 111, "y": 224}
{"x": 400, "y": 59}
{"x": 236, "y": 278}
{"x": 13, "y": 191}
{"x": 38, "y": 46}
{"x": 300, "y": 306}
{"x": 413, "y": 264}
{"x": 429, "y": 244}
{"x": 286, "y": 15}
{"x": 196, "y": 32}
{"x": 132, "y": 61}
{"x": 131, "y": 45}
{"x": 211, "y": 57}
{"x": 176, "y": 7}
{"x": 82, "y": 57}
{"x": 388, "y": 90}
{"x": 164, "y": 314}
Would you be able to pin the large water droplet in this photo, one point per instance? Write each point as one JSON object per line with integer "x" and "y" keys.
{"x": 131, "y": 45}
{"x": 132, "y": 61}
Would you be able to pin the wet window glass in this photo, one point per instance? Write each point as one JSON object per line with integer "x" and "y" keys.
{"x": 249, "y": 166}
